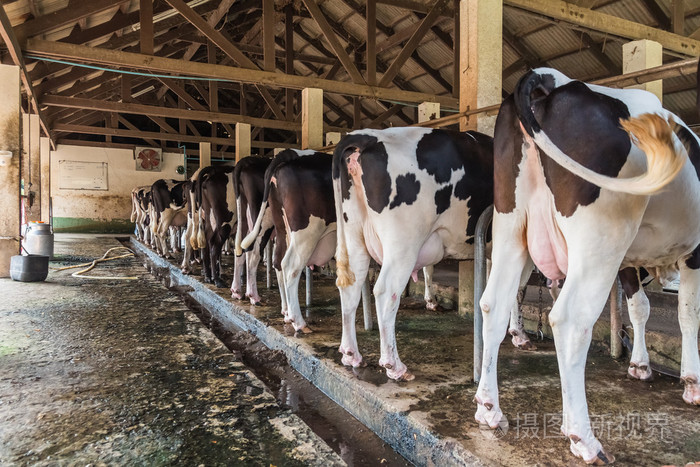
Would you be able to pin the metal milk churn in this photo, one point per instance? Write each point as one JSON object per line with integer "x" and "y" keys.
{"x": 39, "y": 239}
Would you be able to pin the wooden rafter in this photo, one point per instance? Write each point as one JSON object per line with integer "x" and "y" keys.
{"x": 12, "y": 44}
{"x": 332, "y": 39}
{"x": 74, "y": 12}
{"x": 225, "y": 45}
{"x": 174, "y": 67}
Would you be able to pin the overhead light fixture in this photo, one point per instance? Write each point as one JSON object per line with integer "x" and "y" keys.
{"x": 143, "y": 91}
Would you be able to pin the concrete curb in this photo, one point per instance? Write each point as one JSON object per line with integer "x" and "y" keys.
{"x": 408, "y": 436}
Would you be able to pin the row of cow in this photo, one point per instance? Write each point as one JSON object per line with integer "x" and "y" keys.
{"x": 588, "y": 183}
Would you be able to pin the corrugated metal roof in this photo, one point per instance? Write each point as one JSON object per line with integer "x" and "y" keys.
{"x": 557, "y": 44}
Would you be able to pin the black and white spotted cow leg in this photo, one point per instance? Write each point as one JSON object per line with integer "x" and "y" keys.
{"x": 689, "y": 320}
{"x": 638, "y": 308}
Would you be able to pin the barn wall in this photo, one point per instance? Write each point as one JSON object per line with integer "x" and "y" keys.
{"x": 102, "y": 211}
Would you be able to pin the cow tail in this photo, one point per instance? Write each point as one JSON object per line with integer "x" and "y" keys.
{"x": 345, "y": 276}
{"x": 652, "y": 133}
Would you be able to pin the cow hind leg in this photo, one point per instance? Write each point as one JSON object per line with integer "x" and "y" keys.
{"x": 572, "y": 318}
{"x": 252, "y": 260}
{"x": 508, "y": 262}
{"x": 236, "y": 286}
{"x": 638, "y": 308}
{"x": 429, "y": 296}
{"x": 689, "y": 319}
{"x": 519, "y": 337}
{"x": 358, "y": 263}
{"x": 392, "y": 279}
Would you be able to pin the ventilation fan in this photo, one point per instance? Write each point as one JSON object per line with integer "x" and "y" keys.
{"x": 148, "y": 159}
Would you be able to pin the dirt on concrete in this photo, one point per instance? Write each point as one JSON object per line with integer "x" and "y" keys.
{"x": 121, "y": 373}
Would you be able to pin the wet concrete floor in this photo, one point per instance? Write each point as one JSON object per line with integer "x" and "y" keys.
{"x": 640, "y": 423}
{"x": 122, "y": 373}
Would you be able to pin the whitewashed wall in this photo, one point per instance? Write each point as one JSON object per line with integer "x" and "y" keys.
{"x": 102, "y": 210}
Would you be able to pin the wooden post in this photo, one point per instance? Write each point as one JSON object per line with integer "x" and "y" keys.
{"x": 45, "y": 156}
{"x": 428, "y": 111}
{"x": 480, "y": 58}
{"x": 32, "y": 178}
{"x": 640, "y": 55}
{"x": 242, "y": 141}
{"x": 10, "y": 146}
{"x": 311, "y": 118}
{"x": 332, "y": 137}
{"x": 204, "y": 155}
{"x": 146, "y": 32}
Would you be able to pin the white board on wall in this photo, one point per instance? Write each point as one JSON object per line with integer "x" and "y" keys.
{"x": 81, "y": 175}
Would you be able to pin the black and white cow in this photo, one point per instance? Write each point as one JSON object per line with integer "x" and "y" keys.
{"x": 249, "y": 187}
{"x": 140, "y": 202}
{"x": 584, "y": 199}
{"x": 299, "y": 192}
{"x": 217, "y": 215}
{"x": 407, "y": 198}
{"x": 168, "y": 209}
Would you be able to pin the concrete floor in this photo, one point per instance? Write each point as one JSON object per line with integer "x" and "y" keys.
{"x": 430, "y": 420}
{"x": 122, "y": 373}
{"x": 70, "y": 369}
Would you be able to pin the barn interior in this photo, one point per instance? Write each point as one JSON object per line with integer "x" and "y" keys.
{"x": 106, "y": 95}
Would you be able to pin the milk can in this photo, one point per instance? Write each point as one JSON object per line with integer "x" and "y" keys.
{"x": 39, "y": 239}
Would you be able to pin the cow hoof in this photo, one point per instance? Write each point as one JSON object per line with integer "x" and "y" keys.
{"x": 207, "y": 280}
{"x": 691, "y": 394}
{"x": 255, "y": 302}
{"x": 304, "y": 330}
{"x": 219, "y": 283}
{"x": 521, "y": 341}
{"x": 640, "y": 371}
{"x": 593, "y": 454}
{"x": 354, "y": 361}
{"x": 431, "y": 305}
{"x": 236, "y": 294}
{"x": 399, "y": 374}
{"x": 487, "y": 413}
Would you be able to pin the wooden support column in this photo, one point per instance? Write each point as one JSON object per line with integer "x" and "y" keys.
{"x": 146, "y": 31}
{"x": 31, "y": 165}
{"x": 480, "y": 58}
{"x": 289, "y": 58}
{"x": 332, "y": 137}
{"x": 242, "y": 141}
{"x": 213, "y": 87}
{"x": 311, "y": 118}
{"x": 640, "y": 55}
{"x": 10, "y": 144}
{"x": 269, "y": 35}
{"x": 428, "y": 111}
{"x": 45, "y": 158}
{"x": 204, "y": 155}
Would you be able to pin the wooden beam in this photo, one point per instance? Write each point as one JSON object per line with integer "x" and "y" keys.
{"x": 612, "y": 25}
{"x": 332, "y": 39}
{"x": 411, "y": 45}
{"x": 169, "y": 112}
{"x": 269, "y": 35}
{"x": 146, "y": 31}
{"x": 371, "y": 52}
{"x": 225, "y": 45}
{"x": 94, "y": 130}
{"x": 73, "y": 13}
{"x": 289, "y": 58}
{"x": 156, "y": 64}
{"x": 678, "y": 17}
{"x": 8, "y": 36}
{"x": 133, "y": 127}
{"x": 658, "y": 13}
